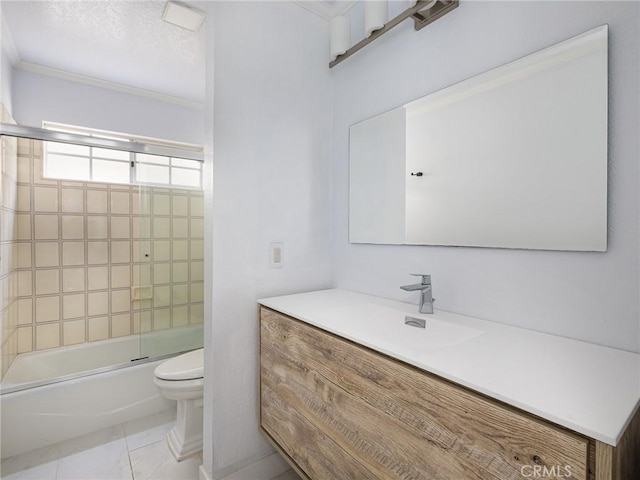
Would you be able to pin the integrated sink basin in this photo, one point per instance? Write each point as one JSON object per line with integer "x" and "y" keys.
{"x": 369, "y": 322}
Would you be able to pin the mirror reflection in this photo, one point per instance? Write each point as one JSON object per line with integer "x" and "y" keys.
{"x": 512, "y": 158}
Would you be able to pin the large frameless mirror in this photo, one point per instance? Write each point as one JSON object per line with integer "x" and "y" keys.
{"x": 514, "y": 158}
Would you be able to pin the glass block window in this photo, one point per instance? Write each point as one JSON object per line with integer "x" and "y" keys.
{"x": 78, "y": 162}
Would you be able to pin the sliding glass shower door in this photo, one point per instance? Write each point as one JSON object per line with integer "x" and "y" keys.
{"x": 170, "y": 258}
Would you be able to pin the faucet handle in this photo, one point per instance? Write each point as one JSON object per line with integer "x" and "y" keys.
{"x": 426, "y": 279}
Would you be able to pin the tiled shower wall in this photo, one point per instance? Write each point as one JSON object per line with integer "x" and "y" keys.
{"x": 81, "y": 246}
{"x": 8, "y": 247}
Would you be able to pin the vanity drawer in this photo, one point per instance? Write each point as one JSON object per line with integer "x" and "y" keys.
{"x": 341, "y": 411}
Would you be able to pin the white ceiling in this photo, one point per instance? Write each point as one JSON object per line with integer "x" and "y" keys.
{"x": 115, "y": 43}
{"x": 120, "y": 44}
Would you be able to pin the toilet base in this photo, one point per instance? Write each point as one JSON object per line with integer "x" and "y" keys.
{"x": 185, "y": 438}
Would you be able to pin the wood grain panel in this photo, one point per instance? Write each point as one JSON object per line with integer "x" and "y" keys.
{"x": 627, "y": 452}
{"x": 604, "y": 461}
{"x": 397, "y": 421}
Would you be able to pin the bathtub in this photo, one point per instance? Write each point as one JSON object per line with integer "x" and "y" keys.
{"x": 62, "y": 393}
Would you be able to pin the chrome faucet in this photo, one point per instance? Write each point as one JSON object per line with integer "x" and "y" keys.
{"x": 426, "y": 298}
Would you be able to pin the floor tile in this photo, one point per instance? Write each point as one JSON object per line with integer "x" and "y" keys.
{"x": 148, "y": 430}
{"x": 288, "y": 475}
{"x": 98, "y": 456}
{"x": 155, "y": 462}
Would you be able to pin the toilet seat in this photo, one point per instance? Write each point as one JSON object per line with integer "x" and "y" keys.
{"x": 188, "y": 366}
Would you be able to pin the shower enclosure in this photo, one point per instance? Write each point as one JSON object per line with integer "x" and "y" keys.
{"x": 102, "y": 254}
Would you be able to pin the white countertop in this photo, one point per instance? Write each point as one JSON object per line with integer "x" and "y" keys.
{"x": 588, "y": 388}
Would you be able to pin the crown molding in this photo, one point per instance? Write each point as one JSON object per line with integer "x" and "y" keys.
{"x": 97, "y": 82}
{"x": 324, "y": 9}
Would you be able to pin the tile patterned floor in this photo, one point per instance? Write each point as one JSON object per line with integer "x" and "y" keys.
{"x": 288, "y": 475}
{"x": 135, "y": 450}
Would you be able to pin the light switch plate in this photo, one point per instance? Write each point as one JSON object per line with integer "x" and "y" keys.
{"x": 276, "y": 255}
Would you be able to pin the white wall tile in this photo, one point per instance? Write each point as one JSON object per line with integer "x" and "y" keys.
{"x": 98, "y": 277}
{"x": 24, "y": 170}
{"x": 197, "y": 228}
{"x": 180, "y": 271}
{"x": 24, "y": 255}
{"x": 120, "y": 227}
{"x": 161, "y": 250}
{"x": 97, "y": 227}
{"x": 120, "y": 276}
{"x": 73, "y": 332}
{"x": 197, "y": 206}
{"x": 120, "y": 251}
{"x": 24, "y": 198}
{"x": 161, "y": 204}
{"x": 197, "y": 292}
{"x": 143, "y": 321}
{"x": 120, "y": 301}
{"x": 25, "y": 311}
{"x": 141, "y": 227}
{"x": 23, "y": 222}
{"x": 98, "y": 328}
{"x": 73, "y": 280}
{"x": 161, "y": 228}
{"x": 197, "y": 249}
{"x": 72, "y": 253}
{"x": 120, "y": 203}
{"x": 121, "y": 325}
{"x": 161, "y": 296}
{"x": 97, "y": 253}
{"x": 98, "y": 303}
{"x": 161, "y": 318}
{"x": 141, "y": 251}
{"x": 180, "y": 294}
{"x": 25, "y": 339}
{"x": 72, "y": 227}
{"x": 179, "y": 205}
{"x": 161, "y": 273}
{"x": 45, "y": 199}
{"x": 180, "y": 316}
{"x": 47, "y": 336}
{"x": 73, "y": 306}
{"x": 96, "y": 201}
{"x": 196, "y": 313}
{"x": 141, "y": 274}
{"x": 47, "y": 281}
{"x": 72, "y": 200}
{"x": 197, "y": 271}
{"x": 47, "y": 254}
{"x": 180, "y": 250}
{"x": 25, "y": 283}
{"x": 45, "y": 227}
{"x": 47, "y": 309}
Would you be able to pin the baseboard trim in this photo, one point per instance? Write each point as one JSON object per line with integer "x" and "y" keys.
{"x": 264, "y": 469}
{"x": 203, "y": 474}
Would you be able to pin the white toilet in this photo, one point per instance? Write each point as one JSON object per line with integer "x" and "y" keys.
{"x": 181, "y": 378}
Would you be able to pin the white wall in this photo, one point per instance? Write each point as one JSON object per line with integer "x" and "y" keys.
{"x": 271, "y": 183}
{"x": 589, "y": 296}
{"x": 39, "y": 97}
{"x": 6, "y": 79}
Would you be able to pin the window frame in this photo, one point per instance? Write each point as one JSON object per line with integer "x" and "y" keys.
{"x": 133, "y": 159}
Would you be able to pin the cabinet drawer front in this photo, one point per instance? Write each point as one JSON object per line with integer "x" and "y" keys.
{"x": 342, "y": 411}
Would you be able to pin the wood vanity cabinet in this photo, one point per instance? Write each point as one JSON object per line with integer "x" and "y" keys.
{"x": 337, "y": 410}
